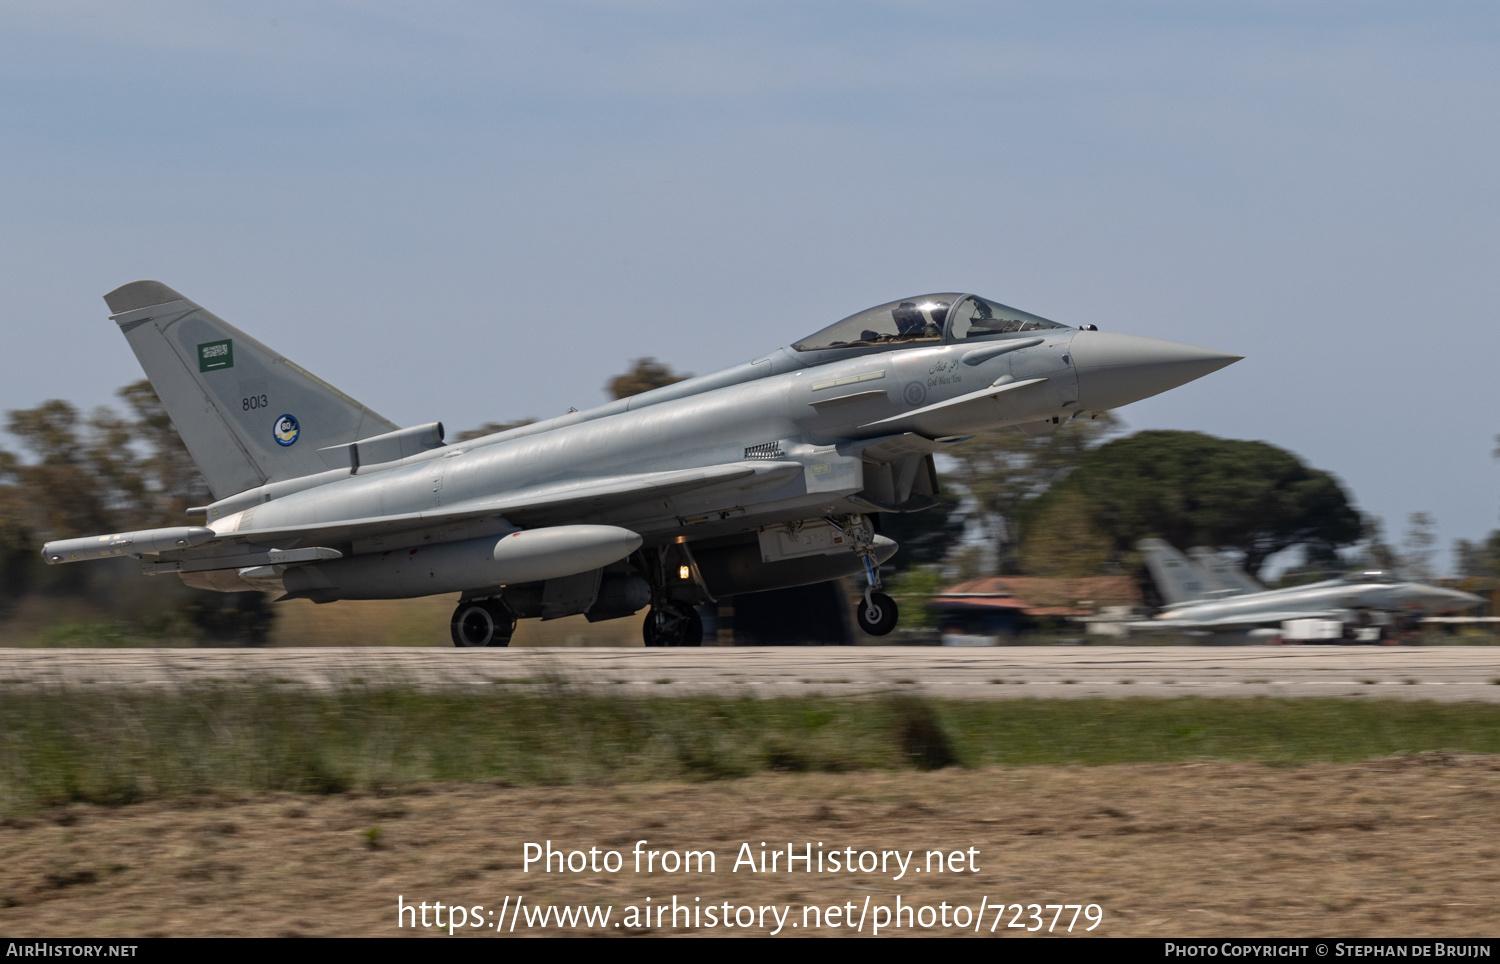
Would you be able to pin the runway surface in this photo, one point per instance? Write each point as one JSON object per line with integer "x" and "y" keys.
{"x": 1451, "y": 673}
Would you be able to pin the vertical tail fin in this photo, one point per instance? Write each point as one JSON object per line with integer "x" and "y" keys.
{"x": 1225, "y": 571}
{"x": 1177, "y": 579}
{"x": 247, "y": 414}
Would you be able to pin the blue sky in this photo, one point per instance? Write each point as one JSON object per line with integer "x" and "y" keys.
{"x": 477, "y": 211}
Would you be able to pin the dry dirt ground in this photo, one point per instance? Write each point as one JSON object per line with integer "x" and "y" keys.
{"x": 1403, "y": 847}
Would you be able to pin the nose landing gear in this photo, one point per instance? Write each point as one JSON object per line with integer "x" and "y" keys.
{"x": 876, "y": 613}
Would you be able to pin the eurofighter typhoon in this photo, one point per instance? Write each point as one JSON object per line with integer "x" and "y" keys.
{"x": 1211, "y": 593}
{"x": 765, "y": 475}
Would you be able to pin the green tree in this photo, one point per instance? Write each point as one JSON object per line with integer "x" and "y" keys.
{"x": 1478, "y": 560}
{"x": 1003, "y": 471}
{"x": 18, "y": 559}
{"x": 107, "y": 473}
{"x": 644, "y": 375}
{"x": 74, "y": 484}
{"x": 912, "y": 589}
{"x": 1417, "y": 547}
{"x": 1062, "y": 540}
{"x": 1193, "y": 489}
{"x": 1370, "y": 552}
{"x": 1375, "y": 552}
{"x": 167, "y": 471}
{"x": 104, "y": 472}
{"x": 924, "y": 537}
{"x": 1479, "y": 568}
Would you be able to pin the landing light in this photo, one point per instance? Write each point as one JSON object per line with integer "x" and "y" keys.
{"x": 683, "y": 572}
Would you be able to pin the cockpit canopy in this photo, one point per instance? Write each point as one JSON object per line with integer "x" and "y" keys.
{"x": 926, "y": 318}
{"x": 1369, "y": 575}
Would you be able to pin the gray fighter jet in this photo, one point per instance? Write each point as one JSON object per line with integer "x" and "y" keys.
{"x": 766, "y": 475}
{"x": 1211, "y": 593}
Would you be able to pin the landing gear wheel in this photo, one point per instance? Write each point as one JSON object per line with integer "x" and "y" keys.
{"x": 673, "y": 623}
{"x": 483, "y": 623}
{"x": 878, "y": 616}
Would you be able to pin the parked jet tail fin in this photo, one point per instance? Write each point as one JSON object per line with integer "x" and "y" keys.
{"x": 1225, "y": 571}
{"x": 1177, "y": 578}
{"x": 247, "y": 415}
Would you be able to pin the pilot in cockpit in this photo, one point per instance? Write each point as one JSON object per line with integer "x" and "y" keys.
{"x": 910, "y": 323}
{"x": 909, "y": 320}
{"x": 914, "y": 322}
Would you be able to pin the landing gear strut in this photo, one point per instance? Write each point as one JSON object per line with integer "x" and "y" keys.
{"x": 672, "y": 623}
{"x": 482, "y": 622}
{"x": 876, "y": 613}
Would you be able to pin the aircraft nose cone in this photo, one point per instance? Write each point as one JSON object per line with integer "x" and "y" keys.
{"x": 1115, "y": 369}
{"x": 1455, "y": 600}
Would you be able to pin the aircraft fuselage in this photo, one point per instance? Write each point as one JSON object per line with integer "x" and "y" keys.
{"x": 1324, "y": 599}
{"x": 813, "y": 423}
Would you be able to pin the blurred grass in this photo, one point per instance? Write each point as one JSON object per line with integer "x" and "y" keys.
{"x": 41, "y": 622}
{"x": 101, "y": 633}
{"x": 118, "y": 747}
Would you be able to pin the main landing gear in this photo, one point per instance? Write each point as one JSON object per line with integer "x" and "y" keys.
{"x": 482, "y": 622}
{"x": 876, "y": 613}
{"x": 672, "y": 623}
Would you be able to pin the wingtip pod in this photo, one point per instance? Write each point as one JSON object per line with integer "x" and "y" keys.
{"x": 136, "y": 543}
{"x": 140, "y": 294}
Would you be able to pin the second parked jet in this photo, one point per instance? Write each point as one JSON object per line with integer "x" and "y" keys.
{"x": 1214, "y": 594}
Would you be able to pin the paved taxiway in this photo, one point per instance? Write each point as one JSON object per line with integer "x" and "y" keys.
{"x": 1448, "y": 673}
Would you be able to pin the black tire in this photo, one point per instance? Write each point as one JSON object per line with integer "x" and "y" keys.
{"x": 882, "y": 620}
{"x": 673, "y": 623}
{"x": 483, "y": 623}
